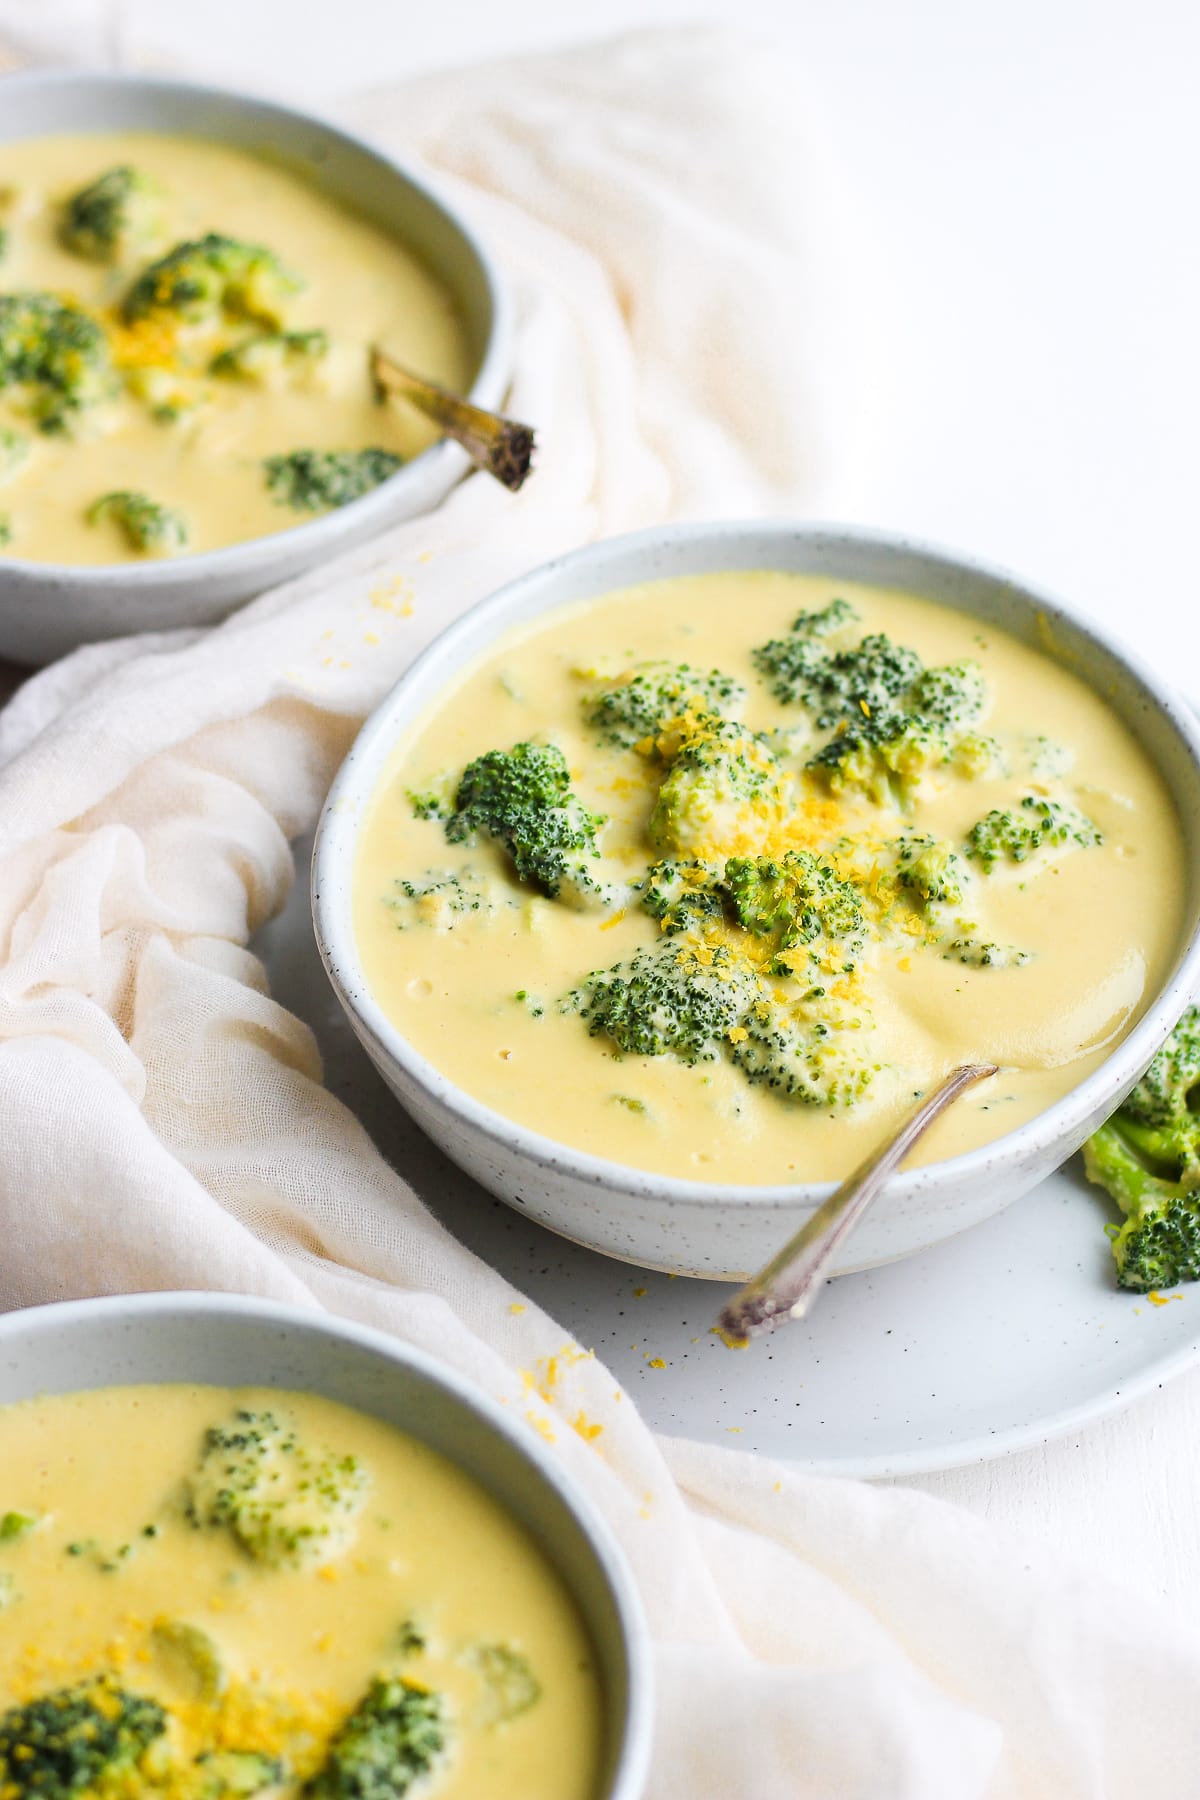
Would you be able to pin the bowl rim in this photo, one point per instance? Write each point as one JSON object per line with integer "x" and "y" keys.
{"x": 340, "y": 821}
{"x": 309, "y": 537}
{"x": 631, "y": 1763}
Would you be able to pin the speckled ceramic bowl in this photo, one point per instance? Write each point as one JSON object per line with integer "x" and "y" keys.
{"x": 47, "y": 609}
{"x": 226, "y": 1340}
{"x": 691, "y": 1227}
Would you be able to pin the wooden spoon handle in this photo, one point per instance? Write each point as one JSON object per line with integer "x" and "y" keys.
{"x": 501, "y": 446}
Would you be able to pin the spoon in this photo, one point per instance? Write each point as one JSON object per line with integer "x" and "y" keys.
{"x": 787, "y": 1287}
{"x": 500, "y": 446}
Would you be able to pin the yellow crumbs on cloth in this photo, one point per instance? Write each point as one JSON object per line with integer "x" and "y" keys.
{"x": 1157, "y": 1299}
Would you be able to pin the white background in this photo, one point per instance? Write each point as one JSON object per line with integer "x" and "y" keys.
{"x": 1026, "y": 176}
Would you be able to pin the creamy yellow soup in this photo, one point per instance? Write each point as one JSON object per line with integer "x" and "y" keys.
{"x": 232, "y": 1571}
{"x": 1041, "y": 965}
{"x": 192, "y": 440}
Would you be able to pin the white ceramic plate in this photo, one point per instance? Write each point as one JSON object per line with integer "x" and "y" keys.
{"x": 994, "y": 1341}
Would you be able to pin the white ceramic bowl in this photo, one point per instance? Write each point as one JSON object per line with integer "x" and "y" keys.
{"x": 697, "y": 1228}
{"x": 47, "y": 609}
{"x": 225, "y": 1340}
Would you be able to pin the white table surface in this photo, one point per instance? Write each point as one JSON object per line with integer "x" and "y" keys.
{"x": 1027, "y": 176}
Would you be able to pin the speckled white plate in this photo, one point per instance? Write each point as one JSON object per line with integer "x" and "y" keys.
{"x": 997, "y": 1340}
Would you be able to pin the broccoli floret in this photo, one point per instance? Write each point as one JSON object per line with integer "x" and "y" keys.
{"x": 191, "y": 1653}
{"x": 439, "y": 900}
{"x": 394, "y": 1735}
{"x": 57, "y": 355}
{"x": 796, "y": 1049}
{"x": 885, "y": 757}
{"x": 319, "y": 480}
{"x": 522, "y": 799}
{"x": 977, "y": 955}
{"x": 117, "y": 216}
{"x": 631, "y": 711}
{"x": 721, "y": 779}
{"x": 1015, "y": 836}
{"x": 931, "y": 870}
{"x": 14, "y": 453}
{"x": 1148, "y": 1157}
{"x": 872, "y": 678}
{"x": 237, "y": 1774}
{"x": 203, "y": 279}
{"x": 70, "y": 1741}
{"x": 511, "y": 1687}
{"x": 800, "y": 904}
{"x": 16, "y": 1525}
{"x": 682, "y": 894}
{"x": 271, "y": 356}
{"x": 792, "y": 662}
{"x": 284, "y": 1503}
{"x": 952, "y": 695}
{"x": 977, "y": 757}
{"x": 148, "y": 526}
{"x": 672, "y": 998}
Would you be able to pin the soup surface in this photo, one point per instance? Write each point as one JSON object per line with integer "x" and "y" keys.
{"x": 240, "y": 347}
{"x": 266, "y": 1592}
{"x": 856, "y": 840}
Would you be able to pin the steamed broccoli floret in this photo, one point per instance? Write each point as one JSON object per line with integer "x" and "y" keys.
{"x": 191, "y": 1653}
{"x": 56, "y": 354}
{"x": 284, "y": 1503}
{"x": 393, "y": 1736}
{"x": 1014, "y": 836}
{"x": 792, "y": 1048}
{"x": 792, "y": 662}
{"x": 1148, "y": 1157}
{"x": 682, "y": 894}
{"x": 508, "y": 1678}
{"x": 798, "y": 903}
{"x": 637, "y": 706}
{"x": 148, "y": 526}
{"x": 203, "y": 279}
{"x": 115, "y": 217}
{"x": 978, "y": 757}
{"x": 522, "y": 799}
{"x": 977, "y": 955}
{"x": 439, "y": 900}
{"x": 885, "y": 757}
{"x": 319, "y": 480}
{"x": 671, "y": 998}
{"x": 951, "y": 695}
{"x": 70, "y": 1741}
{"x": 721, "y": 778}
{"x": 270, "y": 356}
{"x": 16, "y": 1525}
{"x": 931, "y": 870}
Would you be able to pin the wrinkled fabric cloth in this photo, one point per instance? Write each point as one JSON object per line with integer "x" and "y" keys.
{"x": 687, "y": 347}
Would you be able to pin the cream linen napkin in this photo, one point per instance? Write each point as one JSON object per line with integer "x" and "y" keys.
{"x": 684, "y": 348}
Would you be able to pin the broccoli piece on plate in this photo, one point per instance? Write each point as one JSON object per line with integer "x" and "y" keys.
{"x": 203, "y": 280}
{"x": 722, "y": 782}
{"x": 801, "y": 905}
{"x": 115, "y": 217}
{"x": 320, "y": 480}
{"x": 394, "y": 1735}
{"x": 55, "y": 356}
{"x": 272, "y": 357}
{"x": 522, "y": 799}
{"x": 672, "y": 998}
{"x": 71, "y": 1741}
{"x": 1015, "y": 836}
{"x": 631, "y": 711}
{"x": 285, "y": 1503}
{"x": 147, "y": 526}
{"x": 1148, "y": 1157}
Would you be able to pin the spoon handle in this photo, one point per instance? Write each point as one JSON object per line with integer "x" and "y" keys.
{"x": 501, "y": 446}
{"x": 787, "y": 1286}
